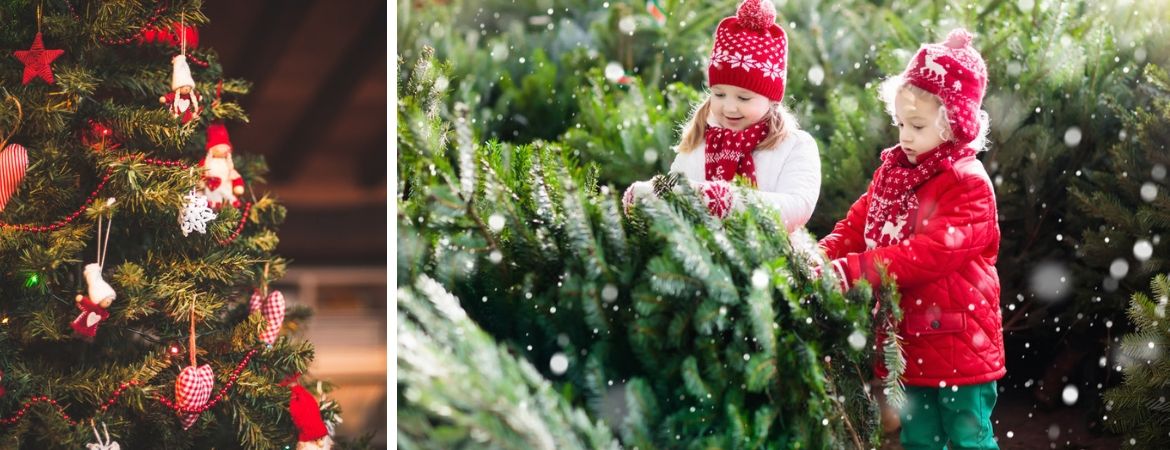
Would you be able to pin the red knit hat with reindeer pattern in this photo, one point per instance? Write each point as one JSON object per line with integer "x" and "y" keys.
{"x": 953, "y": 71}
{"x": 751, "y": 51}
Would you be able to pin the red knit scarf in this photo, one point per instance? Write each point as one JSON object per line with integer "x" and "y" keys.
{"x": 892, "y": 201}
{"x": 729, "y": 152}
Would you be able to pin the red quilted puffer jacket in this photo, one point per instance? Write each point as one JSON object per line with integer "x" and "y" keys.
{"x": 945, "y": 270}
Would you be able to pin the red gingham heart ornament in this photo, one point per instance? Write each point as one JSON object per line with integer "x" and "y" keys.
{"x": 272, "y": 308}
{"x": 13, "y": 164}
{"x": 192, "y": 390}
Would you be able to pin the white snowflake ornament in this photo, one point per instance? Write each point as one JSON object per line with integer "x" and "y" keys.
{"x": 196, "y": 214}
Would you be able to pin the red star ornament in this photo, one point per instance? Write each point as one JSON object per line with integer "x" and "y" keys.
{"x": 36, "y": 61}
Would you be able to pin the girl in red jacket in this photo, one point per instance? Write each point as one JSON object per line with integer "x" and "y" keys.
{"x": 929, "y": 218}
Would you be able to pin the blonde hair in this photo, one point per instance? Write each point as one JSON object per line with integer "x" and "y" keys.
{"x": 780, "y": 123}
{"x": 896, "y": 85}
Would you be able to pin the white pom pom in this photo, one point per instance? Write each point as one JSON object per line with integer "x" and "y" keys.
{"x": 756, "y": 14}
{"x": 958, "y": 38}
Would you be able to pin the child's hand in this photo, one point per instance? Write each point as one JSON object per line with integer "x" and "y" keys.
{"x": 637, "y": 191}
{"x": 718, "y": 195}
{"x": 838, "y": 272}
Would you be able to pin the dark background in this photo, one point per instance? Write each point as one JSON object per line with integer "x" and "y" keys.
{"x": 318, "y": 115}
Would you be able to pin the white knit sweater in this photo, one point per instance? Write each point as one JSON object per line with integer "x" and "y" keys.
{"x": 788, "y": 176}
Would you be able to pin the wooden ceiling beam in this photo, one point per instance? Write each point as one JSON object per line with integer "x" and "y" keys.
{"x": 365, "y": 52}
{"x": 371, "y": 161}
{"x": 267, "y": 41}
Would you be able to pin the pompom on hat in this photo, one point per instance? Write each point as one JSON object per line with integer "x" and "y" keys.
{"x": 955, "y": 72}
{"x": 751, "y": 51}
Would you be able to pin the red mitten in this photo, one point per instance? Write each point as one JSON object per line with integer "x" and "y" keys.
{"x": 306, "y": 415}
{"x": 839, "y": 272}
{"x": 719, "y": 197}
{"x": 636, "y": 191}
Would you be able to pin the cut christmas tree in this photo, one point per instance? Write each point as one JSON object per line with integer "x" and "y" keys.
{"x": 667, "y": 324}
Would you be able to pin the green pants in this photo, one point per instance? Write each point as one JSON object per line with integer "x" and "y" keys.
{"x": 958, "y": 418}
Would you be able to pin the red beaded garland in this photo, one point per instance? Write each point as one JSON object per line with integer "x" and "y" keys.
{"x": 122, "y": 388}
{"x": 218, "y": 396}
{"x": 154, "y": 17}
{"x": 106, "y": 178}
{"x": 28, "y": 404}
{"x": 240, "y": 226}
{"x": 196, "y": 61}
{"x": 161, "y": 162}
{"x": 68, "y": 219}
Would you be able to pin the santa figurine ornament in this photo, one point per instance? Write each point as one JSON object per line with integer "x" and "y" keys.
{"x": 183, "y": 100}
{"x": 222, "y": 183}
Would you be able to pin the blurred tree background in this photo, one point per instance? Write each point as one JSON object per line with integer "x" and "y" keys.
{"x": 1078, "y": 103}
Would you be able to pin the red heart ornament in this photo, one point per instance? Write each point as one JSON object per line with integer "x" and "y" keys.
{"x": 192, "y": 390}
{"x": 272, "y": 308}
{"x": 13, "y": 164}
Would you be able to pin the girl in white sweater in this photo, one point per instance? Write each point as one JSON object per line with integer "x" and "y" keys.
{"x": 743, "y": 130}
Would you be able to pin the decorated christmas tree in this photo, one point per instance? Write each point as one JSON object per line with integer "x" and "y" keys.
{"x": 135, "y": 249}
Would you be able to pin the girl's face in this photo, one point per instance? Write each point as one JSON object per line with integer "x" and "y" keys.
{"x": 917, "y": 118}
{"x": 737, "y": 108}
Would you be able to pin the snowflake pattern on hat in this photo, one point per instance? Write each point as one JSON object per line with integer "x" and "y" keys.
{"x": 751, "y": 51}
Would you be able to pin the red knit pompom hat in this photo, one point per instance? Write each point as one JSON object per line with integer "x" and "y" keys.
{"x": 953, "y": 71}
{"x": 217, "y": 134}
{"x": 751, "y": 51}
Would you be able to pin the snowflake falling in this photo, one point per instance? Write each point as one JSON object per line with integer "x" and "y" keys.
{"x": 196, "y": 214}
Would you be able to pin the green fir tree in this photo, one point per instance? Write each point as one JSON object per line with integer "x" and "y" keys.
{"x": 1138, "y": 408}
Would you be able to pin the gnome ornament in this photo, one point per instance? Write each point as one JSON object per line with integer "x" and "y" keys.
{"x": 222, "y": 183}
{"x": 99, "y": 294}
{"x": 92, "y": 314}
{"x": 312, "y": 434}
{"x": 183, "y": 100}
